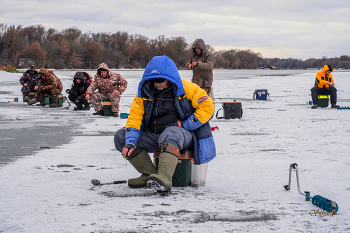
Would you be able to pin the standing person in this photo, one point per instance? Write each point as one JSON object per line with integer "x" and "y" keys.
{"x": 202, "y": 64}
{"x": 29, "y": 81}
{"x": 168, "y": 114}
{"x": 110, "y": 86}
{"x": 324, "y": 85}
{"x": 78, "y": 91}
{"x": 47, "y": 87}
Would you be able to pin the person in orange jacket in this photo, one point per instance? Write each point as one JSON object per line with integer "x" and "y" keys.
{"x": 324, "y": 85}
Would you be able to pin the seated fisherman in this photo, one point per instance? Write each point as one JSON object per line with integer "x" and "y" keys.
{"x": 168, "y": 114}
{"x": 29, "y": 81}
{"x": 110, "y": 86}
{"x": 47, "y": 87}
{"x": 324, "y": 85}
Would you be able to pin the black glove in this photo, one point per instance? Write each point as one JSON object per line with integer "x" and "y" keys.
{"x": 129, "y": 146}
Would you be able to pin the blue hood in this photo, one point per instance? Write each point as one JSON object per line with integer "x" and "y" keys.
{"x": 162, "y": 67}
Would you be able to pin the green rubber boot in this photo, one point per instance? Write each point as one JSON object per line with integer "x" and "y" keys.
{"x": 41, "y": 99}
{"x": 143, "y": 164}
{"x": 54, "y": 101}
{"x": 25, "y": 98}
{"x": 162, "y": 181}
{"x": 32, "y": 101}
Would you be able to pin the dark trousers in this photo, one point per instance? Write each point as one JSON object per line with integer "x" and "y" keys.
{"x": 331, "y": 91}
{"x": 73, "y": 98}
{"x": 152, "y": 142}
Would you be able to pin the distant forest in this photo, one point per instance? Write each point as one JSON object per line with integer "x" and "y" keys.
{"x": 22, "y": 46}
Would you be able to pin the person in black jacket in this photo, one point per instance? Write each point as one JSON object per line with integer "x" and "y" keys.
{"x": 78, "y": 90}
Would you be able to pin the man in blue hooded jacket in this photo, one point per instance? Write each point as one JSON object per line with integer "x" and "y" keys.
{"x": 168, "y": 114}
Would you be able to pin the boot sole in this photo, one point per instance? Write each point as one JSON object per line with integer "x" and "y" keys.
{"x": 138, "y": 186}
{"x": 158, "y": 186}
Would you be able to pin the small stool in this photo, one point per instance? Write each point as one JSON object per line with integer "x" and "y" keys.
{"x": 107, "y": 108}
{"x": 323, "y": 101}
{"x": 182, "y": 174}
{"x": 32, "y": 94}
{"x": 48, "y": 100}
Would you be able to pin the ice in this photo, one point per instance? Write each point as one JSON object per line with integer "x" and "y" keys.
{"x": 50, "y": 190}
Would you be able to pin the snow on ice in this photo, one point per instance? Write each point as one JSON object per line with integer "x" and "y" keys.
{"x": 49, "y": 190}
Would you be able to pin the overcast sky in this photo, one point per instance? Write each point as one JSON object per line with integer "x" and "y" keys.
{"x": 286, "y": 28}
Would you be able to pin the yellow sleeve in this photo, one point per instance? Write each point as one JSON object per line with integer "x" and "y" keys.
{"x": 136, "y": 114}
{"x": 203, "y": 104}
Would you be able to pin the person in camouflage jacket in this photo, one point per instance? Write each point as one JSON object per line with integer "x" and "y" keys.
{"x": 29, "y": 81}
{"x": 110, "y": 86}
{"x": 59, "y": 86}
{"x": 47, "y": 87}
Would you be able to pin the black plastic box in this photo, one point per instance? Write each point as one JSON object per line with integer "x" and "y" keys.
{"x": 232, "y": 110}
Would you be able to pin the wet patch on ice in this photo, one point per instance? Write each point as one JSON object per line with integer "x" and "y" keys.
{"x": 249, "y": 134}
{"x": 268, "y": 150}
{"x": 95, "y": 133}
{"x": 142, "y": 193}
{"x": 64, "y": 165}
{"x": 186, "y": 216}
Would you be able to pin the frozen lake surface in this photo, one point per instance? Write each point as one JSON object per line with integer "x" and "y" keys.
{"x": 49, "y": 190}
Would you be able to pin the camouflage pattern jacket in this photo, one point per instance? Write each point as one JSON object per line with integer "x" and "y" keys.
{"x": 113, "y": 81}
{"x": 31, "y": 81}
{"x": 49, "y": 82}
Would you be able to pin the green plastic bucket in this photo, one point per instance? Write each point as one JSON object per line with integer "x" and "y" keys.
{"x": 182, "y": 174}
{"x": 323, "y": 101}
{"x": 107, "y": 108}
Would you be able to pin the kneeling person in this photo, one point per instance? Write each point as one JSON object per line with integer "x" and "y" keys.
{"x": 78, "y": 91}
{"x": 168, "y": 114}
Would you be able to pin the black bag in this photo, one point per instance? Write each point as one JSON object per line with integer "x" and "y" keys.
{"x": 231, "y": 110}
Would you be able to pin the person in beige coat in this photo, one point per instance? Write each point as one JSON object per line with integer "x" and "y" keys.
{"x": 202, "y": 64}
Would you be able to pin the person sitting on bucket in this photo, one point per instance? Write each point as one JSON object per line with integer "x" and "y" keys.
{"x": 324, "y": 85}
{"x": 168, "y": 114}
{"x": 110, "y": 86}
{"x": 29, "y": 81}
{"x": 47, "y": 87}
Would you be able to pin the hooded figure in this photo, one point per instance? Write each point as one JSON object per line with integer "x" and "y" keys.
{"x": 168, "y": 114}
{"x": 30, "y": 82}
{"x": 78, "y": 91}
{"x": 324, "y": 85}
{"x": 47, "y": 87}
{"x": 110, "y": 86}
{"x": 202, "y": 64}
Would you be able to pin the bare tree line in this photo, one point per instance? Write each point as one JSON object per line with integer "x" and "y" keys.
{"x": 70, "y": 48}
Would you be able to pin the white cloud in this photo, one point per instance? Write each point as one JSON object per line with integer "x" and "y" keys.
{"x": 303, "y": 29}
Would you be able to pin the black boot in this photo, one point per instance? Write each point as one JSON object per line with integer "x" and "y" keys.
{"x": 100, "y": 113}
{"x": 41, "y": 99}
{"x": 78, "y": 105}
{"x": 54, "y": 101}
{"x": 115, "y": 114}
{"x": 86, "y": 104}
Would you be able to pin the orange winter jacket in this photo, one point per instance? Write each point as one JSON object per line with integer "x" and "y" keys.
{"x": 322, "y": 79}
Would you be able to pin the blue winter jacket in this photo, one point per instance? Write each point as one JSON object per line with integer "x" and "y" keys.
{"x": 194, "y": 106}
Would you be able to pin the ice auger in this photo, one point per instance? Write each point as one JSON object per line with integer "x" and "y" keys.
{"x": 319, "y": 201}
